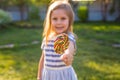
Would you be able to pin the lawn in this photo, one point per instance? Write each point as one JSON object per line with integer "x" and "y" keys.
{"x": 97, "y": 56}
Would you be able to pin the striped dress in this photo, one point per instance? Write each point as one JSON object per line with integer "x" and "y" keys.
{"x": 54, "y": 67}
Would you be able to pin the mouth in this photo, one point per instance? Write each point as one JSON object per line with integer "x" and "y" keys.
{"x": 59, "y": 28}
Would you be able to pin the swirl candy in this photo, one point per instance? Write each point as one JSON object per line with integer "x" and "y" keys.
{"x": 61, "y": 43}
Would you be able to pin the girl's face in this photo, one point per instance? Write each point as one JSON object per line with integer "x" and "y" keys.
{"x": 59, "y": 21}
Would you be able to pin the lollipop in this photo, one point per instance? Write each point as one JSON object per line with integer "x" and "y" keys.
{"x": 61, "y": 43}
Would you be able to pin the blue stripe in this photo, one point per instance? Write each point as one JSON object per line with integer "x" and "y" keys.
{"x": 71, "y": 37}
{"x": 50, "y": 40}
{"x": 55, "y": 65}
{"x": 49, "y": 60}
{"x": 73, "y": 40}
{"x": 49, "y": 50}
{"x": 52, "y": 55}
{"x": 50, "y": 45}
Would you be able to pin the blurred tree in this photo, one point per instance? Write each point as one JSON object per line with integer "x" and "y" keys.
{"x": 22, "y": 4}
{"x": 40, "y": 2}
{"x": 118, "y": 8}
{"x": 104, "y": 5}
{"x": 3, "y": 4}
{"x": 115, "y": 6}
{"x": 5, "y": 18}
{"x": 19, "y": 3}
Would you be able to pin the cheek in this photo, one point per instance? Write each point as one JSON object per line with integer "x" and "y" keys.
{"x": 53, "y": 24}
{"x": 66, "y": 23}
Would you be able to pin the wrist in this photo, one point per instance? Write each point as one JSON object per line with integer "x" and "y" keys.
{"x": 38, "y": 78}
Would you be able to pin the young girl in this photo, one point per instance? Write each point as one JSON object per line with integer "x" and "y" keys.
{"x": 55, "y": 65}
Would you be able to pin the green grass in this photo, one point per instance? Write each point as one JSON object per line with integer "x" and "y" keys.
{"x": 95, "y": 59}
{"x": 29, "y": 24}
{"x": 19, "y": 35}
{"x": 19, "y": 63}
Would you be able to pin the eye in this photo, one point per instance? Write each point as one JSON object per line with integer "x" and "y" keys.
{"x": 63, "y": 18}
{"x": 54, "y": 18}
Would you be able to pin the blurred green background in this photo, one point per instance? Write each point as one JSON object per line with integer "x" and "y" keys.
{"x": 98, "y": 43}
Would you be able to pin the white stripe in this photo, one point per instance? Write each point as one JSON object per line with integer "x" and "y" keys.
{"x": 57, "y": 68}
{"x": 52, "y": 58}
{"x": 48, "y": 47}
{"x": 52, "y": 53}
{"x": 56, "y": 63}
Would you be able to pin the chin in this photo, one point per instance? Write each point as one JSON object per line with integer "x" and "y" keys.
{"x": 59, "y": 32}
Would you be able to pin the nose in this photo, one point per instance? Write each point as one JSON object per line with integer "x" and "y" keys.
{"x": 59, "y": 21}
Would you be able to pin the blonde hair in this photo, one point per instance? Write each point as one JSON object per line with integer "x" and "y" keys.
{"x": 59, "y": 4}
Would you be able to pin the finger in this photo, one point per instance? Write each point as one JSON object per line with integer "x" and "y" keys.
{"x": 65, "y": 61}
{"x": 68, "y": 62}
{"x": 70, "y": 58}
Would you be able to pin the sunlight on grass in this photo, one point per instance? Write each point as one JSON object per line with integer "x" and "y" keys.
{"x": 105, "y": 68}
{"x": 19, "y": 63}
{"x": 110, "y": 70}
{"x": 18, "y": 35}
{"x": 113, "y": 77}
{"x": 6, "y": 61}
{"x": 106, "y": 28}
{"x": 99, "y": 28}
{"x": 95, "y": 59}
{"x": 6, "y": 68}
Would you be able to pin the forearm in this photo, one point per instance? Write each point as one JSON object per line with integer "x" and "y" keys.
{"x": 40, "y": 67}
{"x": 68, "y": 55}
{"x": 71, "y": 49}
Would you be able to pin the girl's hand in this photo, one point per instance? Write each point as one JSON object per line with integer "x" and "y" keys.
{"x": 67, "y": 58}
{"x": 39, "y": 78}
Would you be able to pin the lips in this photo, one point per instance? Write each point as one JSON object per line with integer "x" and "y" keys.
{"x": 59, "y": 28}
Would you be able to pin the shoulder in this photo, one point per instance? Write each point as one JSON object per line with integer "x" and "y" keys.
{"x": 71, "y": 37}
{"x": 43, "y": 43}
{"x": 44, "y": 40}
